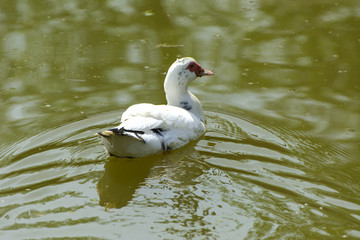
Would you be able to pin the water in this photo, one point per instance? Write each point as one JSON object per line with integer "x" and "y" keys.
{"x": 279, "y": 160}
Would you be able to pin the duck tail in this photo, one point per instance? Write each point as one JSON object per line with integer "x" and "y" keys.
{"x": 122, "y": 131}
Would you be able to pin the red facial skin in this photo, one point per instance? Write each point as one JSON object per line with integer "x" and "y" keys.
{"x": 198, "y": 70}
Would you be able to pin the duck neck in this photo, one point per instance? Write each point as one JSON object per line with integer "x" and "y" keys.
{"x": 178, "y": 95}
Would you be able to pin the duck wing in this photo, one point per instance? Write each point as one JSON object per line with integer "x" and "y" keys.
{"x": 143, "y": 117}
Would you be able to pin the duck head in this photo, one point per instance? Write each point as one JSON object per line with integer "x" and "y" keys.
{"x": 185, "y": 70}
{"x": 182, "y": 72}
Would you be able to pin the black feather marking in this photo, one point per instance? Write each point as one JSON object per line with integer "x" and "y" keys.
{"x": 123, "y": 131}
{"x": 158, "y": 131}
{"x": 103, "y": 135}
{"x": 163, "y": 146}
{"x": 185, "y": 105}
{"x": 161, "y": 132}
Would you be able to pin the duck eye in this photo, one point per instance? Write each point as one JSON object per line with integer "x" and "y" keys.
{"x": 192, "y": 66}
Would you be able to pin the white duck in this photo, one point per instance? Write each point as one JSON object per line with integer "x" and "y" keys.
{"x": 147, "y": 129}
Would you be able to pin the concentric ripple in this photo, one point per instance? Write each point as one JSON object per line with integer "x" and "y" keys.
{"x": 244, "y": 178}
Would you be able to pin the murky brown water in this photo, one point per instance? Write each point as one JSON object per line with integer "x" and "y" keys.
{"x": 279, "y": 160}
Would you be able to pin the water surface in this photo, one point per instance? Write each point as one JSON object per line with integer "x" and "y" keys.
{"x": 279, "y": 160}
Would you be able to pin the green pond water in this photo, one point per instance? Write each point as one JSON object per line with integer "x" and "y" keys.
{"x": 281, "y": 155}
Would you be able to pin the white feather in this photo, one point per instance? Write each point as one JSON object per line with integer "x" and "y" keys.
{"x": 147, "y": 129}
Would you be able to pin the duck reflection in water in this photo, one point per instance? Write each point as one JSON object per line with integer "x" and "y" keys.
{"x": 123, "y": 176}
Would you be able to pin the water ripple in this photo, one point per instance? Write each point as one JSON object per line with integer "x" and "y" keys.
{"x": 243, "y": 174}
